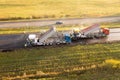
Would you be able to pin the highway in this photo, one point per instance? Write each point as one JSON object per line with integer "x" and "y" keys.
{"x": 72, "y": 21}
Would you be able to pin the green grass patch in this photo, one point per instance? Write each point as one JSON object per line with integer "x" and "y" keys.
{"x": 44, "y": 9}
{"x": 86, "y": 62}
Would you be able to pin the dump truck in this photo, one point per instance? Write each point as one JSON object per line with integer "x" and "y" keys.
{"x": 93, "y": 31}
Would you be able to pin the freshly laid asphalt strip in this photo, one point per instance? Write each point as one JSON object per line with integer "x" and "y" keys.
{"x": 13, "y": 41}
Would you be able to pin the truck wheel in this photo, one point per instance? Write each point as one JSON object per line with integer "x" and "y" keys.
{"x": 50, "y": 44}
{"x": 57, "y": 43}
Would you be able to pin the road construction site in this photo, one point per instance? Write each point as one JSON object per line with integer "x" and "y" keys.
{"x": 18, "y": 40}
{"x": 41, "y": 61}
{"x": 12, "y": 41}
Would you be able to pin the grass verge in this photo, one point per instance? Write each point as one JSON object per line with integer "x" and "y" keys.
{"x": 86, "y": 62}
{"x": 59, "y": 28}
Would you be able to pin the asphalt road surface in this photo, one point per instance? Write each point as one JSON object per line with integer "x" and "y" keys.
{"x": 12, "y": 41}
{"x": 18, "y": 40}
{"x": 73, "y": 21}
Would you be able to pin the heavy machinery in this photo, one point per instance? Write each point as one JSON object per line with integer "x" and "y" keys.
{"x": 93, "y": 31}
{"x": 52, "y": 37}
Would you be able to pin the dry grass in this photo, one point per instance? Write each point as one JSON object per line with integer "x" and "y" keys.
{"x": 27, "y": 9}
{"x": 59, "y": 28}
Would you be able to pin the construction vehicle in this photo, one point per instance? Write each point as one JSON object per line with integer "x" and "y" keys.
{"x": 53, "y": 37}
{"x": 93, "y": 31}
